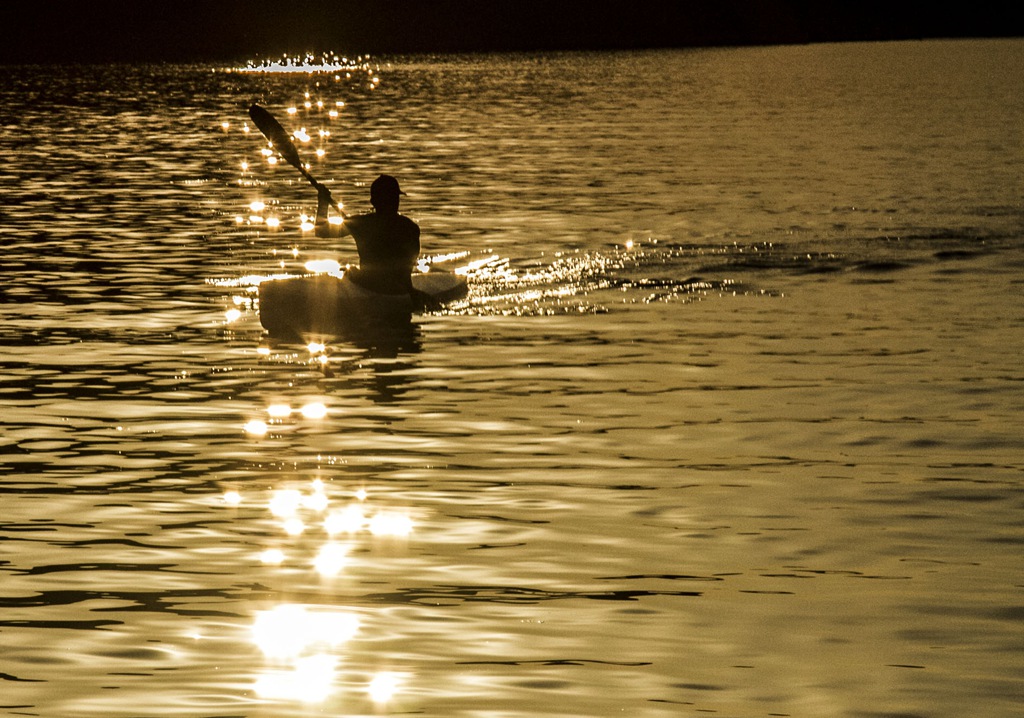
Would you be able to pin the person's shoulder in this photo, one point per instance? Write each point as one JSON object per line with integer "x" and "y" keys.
{"x": 358, "y": 219}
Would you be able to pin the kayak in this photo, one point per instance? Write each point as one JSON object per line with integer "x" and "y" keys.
{"x": 327, "y": 304}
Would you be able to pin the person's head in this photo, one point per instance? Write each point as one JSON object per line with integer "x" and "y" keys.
{"x": 385, "y": 194}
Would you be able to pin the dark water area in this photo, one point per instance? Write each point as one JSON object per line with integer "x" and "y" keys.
{"x": 729, "y": 422}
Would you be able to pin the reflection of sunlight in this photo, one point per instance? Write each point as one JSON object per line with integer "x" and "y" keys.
{"x": 279, "y": 411}
{"x": 384, "y": 686}
{"x": 325, "y": 266}
{"x": 294, "y": 526}
{"x": 350, "y": 520}
{"x": 285, "y": 503}
{"x": 309, "y": 63}
{"x": 317, "y": 500}
{"x": 232, "y": 315}
{"x": 309, "y": 681}
{"x": 297, "y": 636}
{"x": 287, "y": 631}
{"x": 272, "y": 557}
{"x": 314, "y": 410}
{"x": 301, "y": 644}
{"x": 437, "y": 258}
{"x": 331, "y": 559}
{"x": 255, "y": 427}
{"x": 250, "y": 281}
{"x": 390, "y": 524}
{"x": 475, "y": 265}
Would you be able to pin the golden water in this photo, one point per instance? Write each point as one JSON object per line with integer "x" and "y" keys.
{"x": 729, "y": 424}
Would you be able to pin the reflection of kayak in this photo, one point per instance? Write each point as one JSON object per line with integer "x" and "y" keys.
{"x": 323, "y": 303}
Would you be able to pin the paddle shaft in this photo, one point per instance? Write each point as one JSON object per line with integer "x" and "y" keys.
{"x": 282, "y": 142}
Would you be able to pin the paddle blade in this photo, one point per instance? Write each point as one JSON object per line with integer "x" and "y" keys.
{"x": 277, "y": 135}
{"x": 282, "y": 142}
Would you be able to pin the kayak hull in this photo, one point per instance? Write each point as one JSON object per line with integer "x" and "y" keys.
{"x": 329, "y": 305}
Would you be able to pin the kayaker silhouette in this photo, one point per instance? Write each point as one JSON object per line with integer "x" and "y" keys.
{"x": 382, "y": 293}
{"x": 388, "y": 242}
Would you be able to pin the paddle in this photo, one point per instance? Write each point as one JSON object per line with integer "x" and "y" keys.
{"x": 282, "y": 142}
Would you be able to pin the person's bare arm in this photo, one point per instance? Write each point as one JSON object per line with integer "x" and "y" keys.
{"x": 327, "y": 225}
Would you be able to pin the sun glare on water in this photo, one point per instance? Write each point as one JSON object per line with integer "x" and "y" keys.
{"x": 290, "y": 630}
{"x": 384, "y": 686}
{"x": 322, "y": 266}
{"x": 304, "y": 645}
{"x": 305, "y": 62}
{"x": 312, "y": 529}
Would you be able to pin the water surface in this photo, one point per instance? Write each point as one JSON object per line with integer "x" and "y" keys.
{"x": 729, "y": 423}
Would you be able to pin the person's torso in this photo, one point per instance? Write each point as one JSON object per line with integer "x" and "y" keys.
{"x": 389, "y": 246}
